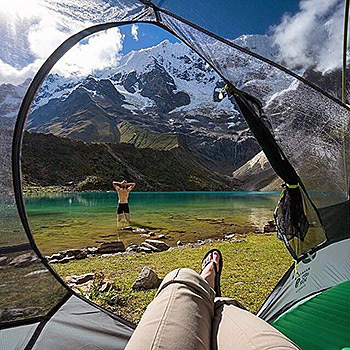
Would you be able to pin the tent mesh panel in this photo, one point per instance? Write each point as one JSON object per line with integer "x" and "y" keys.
{"x": 27, "y": 288}
{"x": 310, "y": 128}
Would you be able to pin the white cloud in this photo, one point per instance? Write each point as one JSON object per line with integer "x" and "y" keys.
{"x": 135, "y": 32}
{"x": 98, "y": 52}
{"x": 20, "y": 8}
{"x": 44, "y": 37}
{"x": 45, "y": 30}
{"x": 313, "y": 36}
{"x": 9, "y": 74}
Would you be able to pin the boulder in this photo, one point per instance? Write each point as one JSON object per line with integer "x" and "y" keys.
{"x": 3, "y": 260}
{"x": 140, "y": 230}
{"x": 71, "y": 252}
{"x": 84, "y": 288}
{"x": 80, "y": 279}
{"x": 111, "y": 247}
{"x": 147, "y": 279}
{"x": 57, "y": 256}
{"x": 144, "y": 235}
{"x": 270, "y": 226}
{"x": 82, "y": 254}
{"x": 162, "y": 246}
{"x": 179, "y": 243}
{"x": 143, "y": 249}
{"x": 106, "y": 287}
{"x": 24, "y": 260}
{"x": 230, "y": 236}
{"x": 91, "y": 250}
{"x": 150, "y": 246}
{"x": 133, "y": 248}
{"x": 127, "y": 228}
{"x": 63, "y": 260}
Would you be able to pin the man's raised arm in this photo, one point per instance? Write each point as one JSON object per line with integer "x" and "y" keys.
{"x": 116, "y": 185}
{"x": 131, "y": 185}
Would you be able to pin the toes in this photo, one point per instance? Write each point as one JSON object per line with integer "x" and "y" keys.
{"x": 207, "y": 266}
{"x": 207, "y": 259}
{"x": 216, "y": 257}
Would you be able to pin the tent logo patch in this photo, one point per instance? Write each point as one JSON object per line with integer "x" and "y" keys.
{"x": 301, "y": 279}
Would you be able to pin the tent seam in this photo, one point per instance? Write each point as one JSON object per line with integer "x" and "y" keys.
{"x": 46, "y": 319}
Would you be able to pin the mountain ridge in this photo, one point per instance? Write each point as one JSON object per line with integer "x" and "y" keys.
{"x": 168, "y": 89}
{"x": 50, "y": 160}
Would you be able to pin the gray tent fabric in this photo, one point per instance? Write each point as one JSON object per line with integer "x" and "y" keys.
{"x": 76, "y": 325}
{"x": 46, "y": 314}
{"x": 82, "y": 326}
{"x": 16, "y": 338}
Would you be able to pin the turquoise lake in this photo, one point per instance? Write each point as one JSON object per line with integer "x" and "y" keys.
{"x": 71, "y": 220}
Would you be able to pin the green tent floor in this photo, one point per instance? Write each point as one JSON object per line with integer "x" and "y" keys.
{"x": 320, "y": 323}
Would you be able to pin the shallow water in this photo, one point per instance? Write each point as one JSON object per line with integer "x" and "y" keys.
{"x": 71, "y": 220}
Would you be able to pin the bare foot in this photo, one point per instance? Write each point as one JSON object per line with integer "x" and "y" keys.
{"x": 208, "y": 272}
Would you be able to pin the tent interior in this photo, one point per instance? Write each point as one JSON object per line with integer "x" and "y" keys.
{"x": 304, "y": 134}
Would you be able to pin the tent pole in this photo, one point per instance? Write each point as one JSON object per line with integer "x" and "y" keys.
{"x": 345, "y": 49}
{"x": 343, "y": 92}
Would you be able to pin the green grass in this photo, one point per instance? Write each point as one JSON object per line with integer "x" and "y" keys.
{"x": 252, "y": 267}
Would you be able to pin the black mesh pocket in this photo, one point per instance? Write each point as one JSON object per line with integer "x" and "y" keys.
{"x": 290, "y": 216}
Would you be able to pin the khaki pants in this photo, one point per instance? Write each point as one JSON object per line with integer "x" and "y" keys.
{"x": 185, "y": 316}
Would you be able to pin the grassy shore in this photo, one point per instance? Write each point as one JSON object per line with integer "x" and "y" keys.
{"x": 253, "y": 264}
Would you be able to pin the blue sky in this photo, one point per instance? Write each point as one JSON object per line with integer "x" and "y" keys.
{"x": 148, "y": 35}
{"x": 232, "y": 18}
{"x": 309, "y": 34}
{"x": 228, "y": 18}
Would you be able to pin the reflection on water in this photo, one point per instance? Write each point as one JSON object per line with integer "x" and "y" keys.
{"x": 67, "y": 220}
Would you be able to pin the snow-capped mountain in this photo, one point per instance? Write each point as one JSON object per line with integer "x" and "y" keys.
{"x": 189, "y": 72}
{"x": 165, "y": 88}
{"x": 263, "y": 45}
{"x": 11, "y": 97}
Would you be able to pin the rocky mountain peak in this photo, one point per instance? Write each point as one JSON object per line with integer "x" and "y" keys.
{"x": 166, "y": 89}
{"x": 260, "y": 44}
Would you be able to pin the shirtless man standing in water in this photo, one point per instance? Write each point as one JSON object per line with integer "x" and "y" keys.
{"x": 123, "y": 188}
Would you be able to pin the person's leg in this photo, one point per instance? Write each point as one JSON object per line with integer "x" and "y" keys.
{"x": 126, "y": 213}
{"x": 119, "y": 213}
{"x": 235, "y": 328}
{"x": 180, "y": 316}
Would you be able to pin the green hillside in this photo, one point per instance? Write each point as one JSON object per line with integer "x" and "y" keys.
{"x": 49, "y": 160}
{"x": 141, "y": 138}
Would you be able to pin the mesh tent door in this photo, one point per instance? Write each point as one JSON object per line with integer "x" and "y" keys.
{"x": 37, "y": 309}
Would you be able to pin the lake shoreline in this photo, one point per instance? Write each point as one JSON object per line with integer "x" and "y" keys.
{"x": 61, "y": 221}
{"x": 149, "y": 246}
{"x": 30, "y": 190}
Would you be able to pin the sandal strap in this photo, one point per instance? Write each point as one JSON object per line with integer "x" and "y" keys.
{"x": 210, "y": 262}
